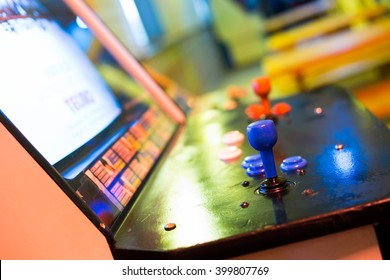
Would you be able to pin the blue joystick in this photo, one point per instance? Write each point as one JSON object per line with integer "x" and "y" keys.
{"x": 262, "y": 136}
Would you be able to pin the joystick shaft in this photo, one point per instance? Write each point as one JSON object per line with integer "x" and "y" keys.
{"x": 269, "y": 163}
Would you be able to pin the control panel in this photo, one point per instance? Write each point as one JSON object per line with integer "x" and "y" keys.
{"x": 236, "y": 182}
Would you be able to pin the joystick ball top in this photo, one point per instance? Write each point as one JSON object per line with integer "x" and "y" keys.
{"x": 261, "y": 86}
{"x": 262, "y": 135}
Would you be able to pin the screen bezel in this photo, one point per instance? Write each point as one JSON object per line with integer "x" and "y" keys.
{"x": 174, "y": 114}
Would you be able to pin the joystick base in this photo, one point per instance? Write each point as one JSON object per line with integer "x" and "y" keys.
{"x": 273, "y": 185}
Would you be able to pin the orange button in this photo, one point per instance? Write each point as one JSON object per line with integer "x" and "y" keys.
{"x": 255, "y": 111}
{"x": 281, "y": 109}
{"x": 236, "y": 92}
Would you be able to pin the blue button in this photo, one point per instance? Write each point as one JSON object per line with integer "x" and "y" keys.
{"x": 250, "y": 159}
{"x": 255, "y": 169}
{"x": 293, "y": 163}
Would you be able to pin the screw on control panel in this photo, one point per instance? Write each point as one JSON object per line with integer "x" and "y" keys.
{"x": 244, "y": 204}
{"x": 309, "y": 192}
{"x": 169, "y": 226}
{"x": 318, "y": 111}
{"x": 301, "y": 172}
{"x": 245, "y": 183}
{"x": 339, "y": 147}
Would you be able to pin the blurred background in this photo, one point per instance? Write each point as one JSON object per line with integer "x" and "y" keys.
{"x": 206, "y": 45}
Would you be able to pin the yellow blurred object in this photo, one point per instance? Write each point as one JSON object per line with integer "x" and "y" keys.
{"x": 357, "y": 7}
{"x": 341, "y": 49}
{"x": 240, "y": 32}
{"x": 347, "y": 65}
{"x": 348, "y": 6}
{"x": 284, "y": 85}
{"x": 320, "y": 27}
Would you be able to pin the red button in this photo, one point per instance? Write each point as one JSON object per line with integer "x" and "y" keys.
{"x": 255, "y": 111}
{"x": 281, "y": 109}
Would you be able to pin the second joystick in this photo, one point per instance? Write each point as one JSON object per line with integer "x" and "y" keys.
{"x": 262, "y": 87}
{"x": 263, "y": 110}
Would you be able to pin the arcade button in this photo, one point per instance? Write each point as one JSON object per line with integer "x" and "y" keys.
{"x": 255, "y": 169}
{"x": 230, "y": 154}
{"x": 233, "y": 138}
{"x": 294, "y": 163}
{"x": 255, "y": 111}
{"x": 281, "y": 109}
{"x": 236, "y": 92}
{"x": 250, "y": 160}
{"x": 229, "y": 105}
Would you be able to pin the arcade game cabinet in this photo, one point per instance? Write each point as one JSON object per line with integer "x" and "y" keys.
{"x": 158, "y": 183}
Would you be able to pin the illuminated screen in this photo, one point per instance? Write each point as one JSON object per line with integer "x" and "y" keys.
{"x": 49, "y": 89}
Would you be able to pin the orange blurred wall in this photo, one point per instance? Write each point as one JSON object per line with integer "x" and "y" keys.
{"x": 38, "y": 220}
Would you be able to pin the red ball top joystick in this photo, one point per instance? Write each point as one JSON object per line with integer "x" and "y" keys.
{"x": 262, "y": 87}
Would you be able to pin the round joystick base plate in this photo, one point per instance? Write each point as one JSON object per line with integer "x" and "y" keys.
{"x": 273, "y": 186}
